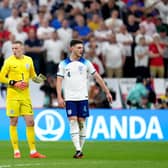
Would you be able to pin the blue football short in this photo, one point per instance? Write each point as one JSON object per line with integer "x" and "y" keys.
{"x": 77, "y": 108}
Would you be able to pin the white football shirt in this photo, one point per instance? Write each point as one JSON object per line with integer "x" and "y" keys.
{"x": 75, "y": 74}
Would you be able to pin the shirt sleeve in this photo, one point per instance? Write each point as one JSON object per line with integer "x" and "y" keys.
{"x": 91, "y": 68}
{"x": 60, "y": 70}
{"x": 32, "y": 70}
{"x": 4, "y": 73}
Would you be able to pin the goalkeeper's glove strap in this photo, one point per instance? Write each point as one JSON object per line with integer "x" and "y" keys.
{"x": 12, "y": 82}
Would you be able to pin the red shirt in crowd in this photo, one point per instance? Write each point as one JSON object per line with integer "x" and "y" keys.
{"x": 158, "y": 61}
{"x": 4, "y": 35}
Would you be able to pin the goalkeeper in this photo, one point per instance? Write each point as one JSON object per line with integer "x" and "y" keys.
{"x": 16, "y": 72}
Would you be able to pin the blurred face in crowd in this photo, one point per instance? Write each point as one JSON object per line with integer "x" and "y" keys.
{"x": 156, "y": 39}
{"x": 142, "y": 41}
{"x": 131, "y": 19}
{"x": 32, "y": 34}
{"x": 114, "y": 14}
{"x": 112, "y": 39}
{"x": 142, "y": 30}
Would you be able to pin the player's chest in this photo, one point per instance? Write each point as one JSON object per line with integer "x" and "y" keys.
{"x": 20, "y": 66}
{"x": 79, "y": 70}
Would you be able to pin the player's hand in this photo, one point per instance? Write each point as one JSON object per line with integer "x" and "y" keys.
{"x": 21, "y": 85}
{"x": 39, "y": 79}
{"x": 61, "y": 102}
{"x": 109, "y": 97}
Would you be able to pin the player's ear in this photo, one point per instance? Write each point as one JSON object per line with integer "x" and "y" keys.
{"x": 70, "y": 49}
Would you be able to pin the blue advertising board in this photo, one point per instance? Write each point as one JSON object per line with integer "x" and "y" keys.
{"x": 103, "y": 124}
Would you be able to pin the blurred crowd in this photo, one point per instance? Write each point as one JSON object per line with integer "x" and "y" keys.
{"x": 143, "y": 96}
{"x": 122, "y": 38}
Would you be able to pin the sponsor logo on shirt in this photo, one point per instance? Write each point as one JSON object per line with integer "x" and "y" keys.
{"x": 27, "y": 66}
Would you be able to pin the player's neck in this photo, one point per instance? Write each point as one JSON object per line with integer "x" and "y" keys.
{"x": 74, "y": 57}
{"x": 19, "y": 57}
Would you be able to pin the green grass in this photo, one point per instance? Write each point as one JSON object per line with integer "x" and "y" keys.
{"x": 97, "y": 155}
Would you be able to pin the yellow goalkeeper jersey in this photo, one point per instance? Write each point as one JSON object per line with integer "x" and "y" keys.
{"x": 17, "y": 69}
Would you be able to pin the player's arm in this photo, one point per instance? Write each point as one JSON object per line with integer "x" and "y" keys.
{"x": 102, "y": 84}
{"x": 36, "y": 78}
{"x": 4, "y": 73}
{"x": 6, "y": 80}
{"x": 39, "y": 79}
{"x": 60, "y": 99}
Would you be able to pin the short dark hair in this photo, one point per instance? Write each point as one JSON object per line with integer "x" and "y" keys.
{"x": 75, "y": 41}
{"x": 18, "y": 42}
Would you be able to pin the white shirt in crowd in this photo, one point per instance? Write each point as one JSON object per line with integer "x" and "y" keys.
{"x": 65, "y": 35}
{"x": 54, "y": 50}
{"x": 121, "y": 38}
{"x": 148, "y": 38}
{"x": 45, "y": 32}
{"x": 21, "y": 36}
{"x": 113, "y": 54}
{"x": 163, "y": 11}
{"x": 149, "y": 27}
{"x": 7, "y": 49}
{"x": 114, "y": 24}
{"x": 141, "y": 61}
{"x": 11, "y": 23}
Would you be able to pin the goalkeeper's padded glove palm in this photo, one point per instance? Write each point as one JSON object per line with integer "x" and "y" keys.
{"x": 39, "y": 79}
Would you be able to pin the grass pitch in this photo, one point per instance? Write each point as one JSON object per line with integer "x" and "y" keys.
{"x": 97, "y": 155}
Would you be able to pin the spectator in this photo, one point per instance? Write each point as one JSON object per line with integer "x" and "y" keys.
{"x": 94, "y": 22}
{"x": 92, "y": 9}
{"x": 4, "y": 34}
{"x": 26, "y": 23}
{"x": 7, "y": 46}
{"x": 132, "y": 9}
{"x": 44, "y": 31}
{"x": 114, "y": 56}
{"x": 92, "y": 52}
{"x": 142, "y": 33}
{"x": 162, "y": 6}
{"x": 58, "y": 17}
{"x": 138, "y": 5}
{"x": 149, "y": 25}
{"x": 102, "y": 33}
{"x": 114, "y": 22}
{"x": 97, "y": 98}
{"x": 5, "y": 10}
{"x": 54, "y": 53}
{"x": 126, "y": 39}
{"x": 65, "y": 34}
{"x": 135, "y": 95}
{"x": 156, "y": 63}
{"x": 33, "y": 48}
{"x": 12, "y": 21}
{"x": 83, "y": 30}
{"x": 142, "y": 58}
{"x": 162, "y": 102}
{"x": 149, "y": 83}
{"x": 132, "y": 25}
{"x": 164, "y": 40}
{"x": 20, "y": 34}
{"x": 108, "y": 7}
{"x": 38, "y": 19}
{"x": 160, "y": 25}
{"x": 145, "y": 104}
{"x": 32, "y": 7}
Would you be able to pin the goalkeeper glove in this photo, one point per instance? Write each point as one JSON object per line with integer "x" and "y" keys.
{"x": 39, "y": 79}
{"x": 18, "y": 84}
